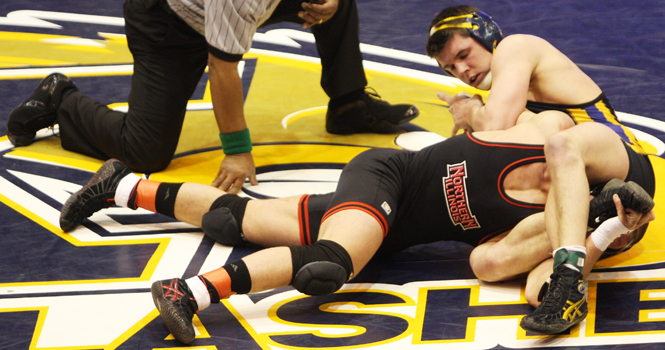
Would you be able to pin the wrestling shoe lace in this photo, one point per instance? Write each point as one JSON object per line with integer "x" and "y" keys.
{"x": 563, "y": 306}
{"x": 177, "y": 306}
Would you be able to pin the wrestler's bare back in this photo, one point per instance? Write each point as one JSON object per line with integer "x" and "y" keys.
{"x": 529, "y": 183}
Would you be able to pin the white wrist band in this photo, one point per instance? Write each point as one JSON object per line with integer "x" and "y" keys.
{"x": 607, "y": 232}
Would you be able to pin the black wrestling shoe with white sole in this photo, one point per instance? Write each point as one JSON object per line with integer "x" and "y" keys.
{"x": 38, "y": 111}
{"x": 97, "y": 194}
{"x": 563, "y": 306}
{"x": 175, "y": 302}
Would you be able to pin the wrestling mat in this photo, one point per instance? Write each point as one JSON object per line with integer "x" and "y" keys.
{"x": 90, "y": 289}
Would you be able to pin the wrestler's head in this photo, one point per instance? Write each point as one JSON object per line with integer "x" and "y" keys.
{"x": 462, "y": 40}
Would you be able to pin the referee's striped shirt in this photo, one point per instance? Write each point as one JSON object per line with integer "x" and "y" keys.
{"x": 228, "y": 25}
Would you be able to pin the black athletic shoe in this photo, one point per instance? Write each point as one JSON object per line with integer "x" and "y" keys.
{"x": 367, "y": 114}
{"x": 176, "y": 304}
{"x": 632, "y": 196}
{"x": 97, "y": 194}
{"x": 563, "y": 306}
{"x": 38, "y": 111}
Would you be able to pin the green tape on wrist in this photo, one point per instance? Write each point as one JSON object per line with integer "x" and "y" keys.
{"x": 236, "y": 142}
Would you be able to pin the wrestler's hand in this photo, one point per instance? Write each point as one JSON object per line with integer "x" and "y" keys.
{"x": 450, "y": 100}
{"x": 233, "y": 171}
{"x": 317, "y": 12}
{"x": 461, "y": 107}
{"x": 630, "y": 218}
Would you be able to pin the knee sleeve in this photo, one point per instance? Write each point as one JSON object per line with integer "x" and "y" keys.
{"x": 221, "y": 226}
{"x": 223, "y": 222}
{"x": 321, "y": 268}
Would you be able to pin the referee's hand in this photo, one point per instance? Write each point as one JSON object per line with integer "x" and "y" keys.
{"x": 317, "y": 11}
{"x": 233, "y": 171}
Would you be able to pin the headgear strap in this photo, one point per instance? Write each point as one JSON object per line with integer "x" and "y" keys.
{"x": 479, "y": 24}
{"x": 443, "y": 25}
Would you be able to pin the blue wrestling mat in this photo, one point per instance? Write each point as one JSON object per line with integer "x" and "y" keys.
{"x": 90, "y": 289}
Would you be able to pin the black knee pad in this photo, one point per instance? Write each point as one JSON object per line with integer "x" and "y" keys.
{"x": 320, "y": 278}
{"x": 220, "y": 225}
{"x": 223, "y": 221}
{"x": 321, "y": 268}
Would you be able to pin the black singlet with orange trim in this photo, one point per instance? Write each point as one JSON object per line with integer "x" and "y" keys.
{"x": 454, "y": 191}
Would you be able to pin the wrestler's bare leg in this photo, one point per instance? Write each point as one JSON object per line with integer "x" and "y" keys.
{"x": 587, "y": 153}
{"x": 267, "y": 222}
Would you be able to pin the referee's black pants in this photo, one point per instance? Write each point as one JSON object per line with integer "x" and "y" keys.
{"x": 169, "y": 60}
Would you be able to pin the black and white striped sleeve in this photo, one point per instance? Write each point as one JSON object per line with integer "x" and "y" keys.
{"x": 230, "y": 25}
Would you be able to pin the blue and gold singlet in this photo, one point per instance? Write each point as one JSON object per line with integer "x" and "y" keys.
{"x": 599, "y": 110}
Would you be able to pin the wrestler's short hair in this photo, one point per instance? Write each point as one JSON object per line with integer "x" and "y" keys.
{"x": 464, "y": 20}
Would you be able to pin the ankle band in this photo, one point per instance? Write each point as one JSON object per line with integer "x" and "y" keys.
{"x": 241, "y": 282}
{"x": 221, "y": 282}
{"x": 212, "y": 291}
{"x": 165, "y": 198}
{"x": 199, "y": 291}
{"x": 145, "y": 194}
{"x": 126, "y": 187}
{"x": 572, "y": 255}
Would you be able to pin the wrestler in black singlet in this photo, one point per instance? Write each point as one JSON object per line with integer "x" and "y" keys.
{"x": 452, "y": 190}
{"x": 405, "y": 192}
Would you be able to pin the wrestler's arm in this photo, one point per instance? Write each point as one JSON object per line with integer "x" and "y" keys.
{"x": 514, "y": 253}
{"x": 513, "y": 64}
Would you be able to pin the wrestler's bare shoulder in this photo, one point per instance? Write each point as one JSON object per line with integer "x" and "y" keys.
{"x": 523, "y": 41}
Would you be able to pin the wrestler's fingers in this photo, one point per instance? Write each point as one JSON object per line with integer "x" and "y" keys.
{"x": 444, "y": 97}
{"x": 455, "y": 130}
{"x": 626, "y": 218}
{"x": 630, "y": 218}
{"x": 648, "y": 217}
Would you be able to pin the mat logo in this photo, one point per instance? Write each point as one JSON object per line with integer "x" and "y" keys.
{"x": 424, "y": 313}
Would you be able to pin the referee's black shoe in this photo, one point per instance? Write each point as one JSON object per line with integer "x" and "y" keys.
{"x": 367, "y": 113}
{"x": 39, "y": 110}
{"x": 97, "y": 194}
